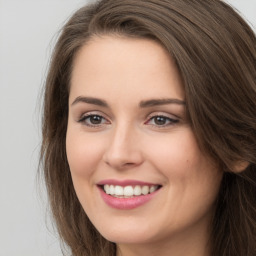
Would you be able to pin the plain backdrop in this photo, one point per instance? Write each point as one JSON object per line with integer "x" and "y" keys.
{"x": 28, "y": 32}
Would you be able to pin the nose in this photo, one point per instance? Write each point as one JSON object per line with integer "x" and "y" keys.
{"x": 124, "y": 149}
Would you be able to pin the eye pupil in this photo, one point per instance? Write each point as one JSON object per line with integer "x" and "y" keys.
{"x": 160, "y": 120}
{"x": 95, "y": 119}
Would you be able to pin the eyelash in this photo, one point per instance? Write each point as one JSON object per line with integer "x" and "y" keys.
{"x": 87, "y": 120}
{"x": 88, "y": 116}
{"x": 170, "y": 121}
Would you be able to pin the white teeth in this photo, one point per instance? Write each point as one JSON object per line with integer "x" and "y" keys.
{"x": 128, "y": 191}
{"x": 137, "y": 191}
{"x": 119, "y": 191}
{"x": 111, "y": 190}
{"x": 145, "y": 190}
{"x": 152, "y": 189}
{"x": 107, "y": 189}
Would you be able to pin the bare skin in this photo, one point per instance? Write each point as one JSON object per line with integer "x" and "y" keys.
{"x": 127, "y": 122}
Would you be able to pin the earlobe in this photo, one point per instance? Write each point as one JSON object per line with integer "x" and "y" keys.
{"x": 240, "y": 166}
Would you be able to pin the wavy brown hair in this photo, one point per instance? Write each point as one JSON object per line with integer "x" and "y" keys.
{"x": 215, "y": 52}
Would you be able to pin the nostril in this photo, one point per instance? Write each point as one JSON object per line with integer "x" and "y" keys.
{"x": 121, "y": 163}
{"x": 122, "y": 154}
{"x": 129, "y": 164}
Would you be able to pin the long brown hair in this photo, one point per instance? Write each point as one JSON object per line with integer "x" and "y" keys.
{"x": 215, "y": 52}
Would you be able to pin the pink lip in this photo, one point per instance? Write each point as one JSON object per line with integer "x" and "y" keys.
{"x": 125, "y": 203}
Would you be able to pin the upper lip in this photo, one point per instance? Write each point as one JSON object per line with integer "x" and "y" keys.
{"x": 125, "y": 182}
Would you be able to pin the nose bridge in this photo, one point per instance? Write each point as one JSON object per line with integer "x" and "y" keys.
{"x": 123, "y": 148}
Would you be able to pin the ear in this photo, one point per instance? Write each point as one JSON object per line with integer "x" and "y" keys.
{"x": 240, "y": 166}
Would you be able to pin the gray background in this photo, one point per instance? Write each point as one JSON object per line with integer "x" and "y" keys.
{"x": 28, "y": 31}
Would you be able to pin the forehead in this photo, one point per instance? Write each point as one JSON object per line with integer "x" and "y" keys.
{"x": 111, "y": 64}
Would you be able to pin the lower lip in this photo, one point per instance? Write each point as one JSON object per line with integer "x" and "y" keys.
{"x": 126, "y": 203}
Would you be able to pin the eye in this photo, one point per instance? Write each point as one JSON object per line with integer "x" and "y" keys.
{"x": 93, "y": 120}
{"x": 161, "y": 121}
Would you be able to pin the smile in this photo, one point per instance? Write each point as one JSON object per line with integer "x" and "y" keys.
{"x": 129, "y": 191}
{"x": 127, "y": 195}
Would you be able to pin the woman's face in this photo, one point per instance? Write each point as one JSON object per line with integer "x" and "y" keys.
{"x": 135, "y": 163}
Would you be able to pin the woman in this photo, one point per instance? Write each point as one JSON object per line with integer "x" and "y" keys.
{"x": 149, "y": 130}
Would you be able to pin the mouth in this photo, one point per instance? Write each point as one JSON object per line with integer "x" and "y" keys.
{"x": 128, "y": 191}
{"x": 127, "y": 194}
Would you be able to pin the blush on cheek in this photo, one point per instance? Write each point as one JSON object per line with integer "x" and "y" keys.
{"x": 80, "y": 165}
{"x": 81, "y": 157}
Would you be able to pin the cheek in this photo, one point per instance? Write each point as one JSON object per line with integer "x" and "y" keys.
{"x": 83, "y": 154}
{"x": 185, "y": 167}
{"x": 192, "y": 179}
{"x": 177, "y": 154}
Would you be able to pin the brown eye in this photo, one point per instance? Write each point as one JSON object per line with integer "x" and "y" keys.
{"x": 93, "y": 120}
{"x": 161, "y": 121}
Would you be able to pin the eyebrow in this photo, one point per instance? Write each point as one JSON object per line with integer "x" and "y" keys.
{"x": 142, "y": 104}
{"x": 157, "y": 102}
{"x": 90, "y": 100}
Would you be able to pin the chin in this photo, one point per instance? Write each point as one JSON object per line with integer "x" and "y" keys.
{"x": 127, "y": 235}
{"x": 128, "y": 238}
